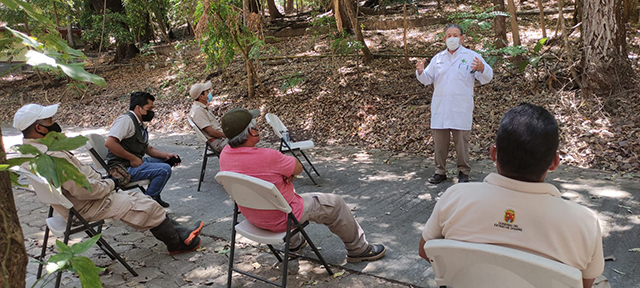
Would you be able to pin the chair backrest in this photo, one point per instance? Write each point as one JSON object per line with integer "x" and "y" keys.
{"x": 45, "y": 192}
{"x": 97, "y": 150}
{"x": 252, "y": 192}
{"x": 461, "y": 264}
{"x": 276, "y": 124}
{"x": 199, "y": 132}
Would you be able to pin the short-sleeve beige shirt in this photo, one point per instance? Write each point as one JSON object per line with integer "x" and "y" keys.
{"x": 521, "y": 215}
{"x": 203, "y": 117}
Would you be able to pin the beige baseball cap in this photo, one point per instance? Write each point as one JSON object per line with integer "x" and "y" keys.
{"x": 197, "y": 89}
{"x": 31, "y": 113}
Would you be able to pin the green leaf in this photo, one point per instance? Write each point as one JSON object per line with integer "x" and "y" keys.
{"x": 66, "y": 171}
{"x": 18, "y": 161}
{"x": 51, "y": 138}
{"x": 4, "y": 167}
{"x": 26, "y": 40}
{"x": 87, "y": 271}
{"x": 26, "y": 149}
{"x": 68, "y": 144}
{"x": 10, "y": 4}
{"x": 523, "y": 65}
{"x": 534, "y": 60}
{"x": 540, "y": 44}
{"x": 45, "y": 166}
{"x": 40, "y": 60}
{"x": 62, "y": 247}
{"x": 82, "y": 247}
{"x": 14, "y": 179}
{"x": 58, "y": 262}
{"x": 77, "y": 72}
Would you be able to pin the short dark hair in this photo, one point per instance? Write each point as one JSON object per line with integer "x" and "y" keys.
{"x": 140, "y": 99}
{"x": 32, "y": 128}
{"x": 453, "y": 26}
{"x": 527, "y": 142}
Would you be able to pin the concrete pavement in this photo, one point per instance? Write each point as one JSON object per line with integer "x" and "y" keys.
{"x": 389, "y": 196}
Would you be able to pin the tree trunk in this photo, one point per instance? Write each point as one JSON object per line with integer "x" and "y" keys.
{"x": 288, "y": 6}
{"x": 500, "y": 25}
{"x": 273, "y": 9}
{"x": 251, "y": 79}
{"x": 338, "y": 14}
{"x": 604, "y": 56}
{"x": 246, "y": 7}
{"x": 544, "y": 29}
{"x": 14, "y": 263}
{"x": 351, "y": 6}
{"x": 515, "y": 31}
{"x": 630, "y": 11}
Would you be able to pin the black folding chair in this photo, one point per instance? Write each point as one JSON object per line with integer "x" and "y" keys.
{"x": 208, "y": 150}
{"x": 63, "y": 227}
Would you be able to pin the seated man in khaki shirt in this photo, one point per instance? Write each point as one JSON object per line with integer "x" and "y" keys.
{"x": 103, "y": 202}
{"x": 515, "y": 208}
{"x": 204, "y": 119}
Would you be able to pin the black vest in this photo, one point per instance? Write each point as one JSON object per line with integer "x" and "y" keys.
{"x": 136, "y": 144}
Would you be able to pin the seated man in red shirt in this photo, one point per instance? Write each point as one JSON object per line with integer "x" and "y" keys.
{"x": 241, "y": 156}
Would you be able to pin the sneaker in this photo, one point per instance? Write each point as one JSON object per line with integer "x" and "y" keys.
{"x": 374, "y": 252}
{"x": 162, "y": 203}
{"x": 195, "y": 244}
{"x": 462, "y": 178}
{"x": 437, "y": 178}
{"x": 298, "y": 248}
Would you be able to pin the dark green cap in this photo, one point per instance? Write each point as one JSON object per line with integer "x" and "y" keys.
{"x": 236, "y": 120}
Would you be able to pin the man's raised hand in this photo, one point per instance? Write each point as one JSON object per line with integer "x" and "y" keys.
{"x": 420, "y": 66}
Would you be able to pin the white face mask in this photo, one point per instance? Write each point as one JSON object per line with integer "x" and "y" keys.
{"x": 453, "y": 43}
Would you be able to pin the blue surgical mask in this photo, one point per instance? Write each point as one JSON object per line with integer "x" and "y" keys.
{"x": 209, "y": 97}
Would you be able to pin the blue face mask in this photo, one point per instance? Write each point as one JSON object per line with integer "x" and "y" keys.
{"x": 209, "y": 97}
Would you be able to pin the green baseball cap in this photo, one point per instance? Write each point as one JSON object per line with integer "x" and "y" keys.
{"x": 236, "y": 120}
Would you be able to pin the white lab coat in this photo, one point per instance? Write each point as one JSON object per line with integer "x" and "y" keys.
{"x": 452, "y": 103}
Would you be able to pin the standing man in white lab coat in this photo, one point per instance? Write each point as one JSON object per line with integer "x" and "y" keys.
{"x": 453, "y": 73}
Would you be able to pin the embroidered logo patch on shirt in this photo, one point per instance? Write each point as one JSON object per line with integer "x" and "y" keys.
{"x": 509, "y": 218}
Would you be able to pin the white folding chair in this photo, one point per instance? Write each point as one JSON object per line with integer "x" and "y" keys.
{"x": 289, "y": 145}
{"x": 98, "y": 153}
{"x": 208, "y": 150}
{"x": 63, "y": 227}
{"x": 462, "y": 265}
{"x": 251, "y": 192}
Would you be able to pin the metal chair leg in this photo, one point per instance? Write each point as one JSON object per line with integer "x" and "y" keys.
{"x": 306, "y": 158}
{"x": 233, "y": 244}
{"x": 44, "y": 244}
{"x": 204, "y": 165}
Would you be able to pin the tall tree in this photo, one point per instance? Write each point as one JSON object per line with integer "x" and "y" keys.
{"x": 13, "y": 255}
{"x": 604, "y": 57}
{"x": 500, "y": 25}
{"x": 273, "y": 9}
{"x": 631, "y": 11}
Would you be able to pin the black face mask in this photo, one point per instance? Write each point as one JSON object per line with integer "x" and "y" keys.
{"x": 147, "y": 117}
{"x": 54, "y": 127}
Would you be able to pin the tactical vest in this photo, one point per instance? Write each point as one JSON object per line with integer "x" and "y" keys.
{"x": 136, "y": 144}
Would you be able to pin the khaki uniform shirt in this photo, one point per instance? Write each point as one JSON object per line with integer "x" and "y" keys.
{"x": 521, "y": 215}
{"x": 103, "y": 202}
{"x": 203, "y": 118}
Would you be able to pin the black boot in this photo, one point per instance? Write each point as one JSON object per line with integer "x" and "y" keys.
{"x": 162, "y": 203}
{"x": 187, "y": 234}
{"x": 167, "y": 234}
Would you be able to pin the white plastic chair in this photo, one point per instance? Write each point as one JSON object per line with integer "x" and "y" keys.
{"x": 289, "y": 145}
{"x": 208, "y": 149}
{"x": 463, "y": 265}
{"x": 251, "y": 192}
{"x": 63, "y": 227}
{"x": 98, "y": 153}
